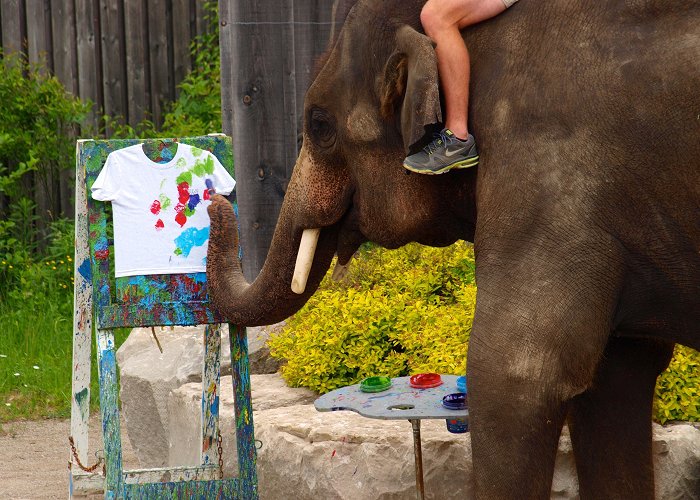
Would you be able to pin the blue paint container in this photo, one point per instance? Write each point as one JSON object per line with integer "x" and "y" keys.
{"x": 456, "y": 401}
{"x": 462, "y": 384}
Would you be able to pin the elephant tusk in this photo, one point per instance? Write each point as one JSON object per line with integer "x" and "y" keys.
{"x": 305, "y": 258}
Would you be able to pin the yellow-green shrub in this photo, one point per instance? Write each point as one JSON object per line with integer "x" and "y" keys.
{"x": 396, "y": 313}
{"x": 678, "y": 388}
{"x": 409, "y": 311}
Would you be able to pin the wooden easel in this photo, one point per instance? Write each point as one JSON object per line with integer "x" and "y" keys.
{"x": 108, "y": 303}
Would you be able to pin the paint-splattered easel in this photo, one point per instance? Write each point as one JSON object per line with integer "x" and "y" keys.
{"x": 147, "y": 301}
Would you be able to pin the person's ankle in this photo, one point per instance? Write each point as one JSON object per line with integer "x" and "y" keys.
{"x": 461, "y": 134}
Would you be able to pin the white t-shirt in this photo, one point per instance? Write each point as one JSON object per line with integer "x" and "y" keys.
{"x": 161, "y": 224}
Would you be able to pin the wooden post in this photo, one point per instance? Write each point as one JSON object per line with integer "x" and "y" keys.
{"x": 259, "y": 112}
{"x": 268, "y": 48}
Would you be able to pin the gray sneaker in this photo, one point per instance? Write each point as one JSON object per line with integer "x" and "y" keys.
{"x": 444, "y": 153}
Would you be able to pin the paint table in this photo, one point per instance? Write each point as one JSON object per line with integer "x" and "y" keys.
{"x": 400, "y": 401}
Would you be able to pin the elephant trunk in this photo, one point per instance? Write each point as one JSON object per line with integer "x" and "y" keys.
{"x": 270, "y": 297}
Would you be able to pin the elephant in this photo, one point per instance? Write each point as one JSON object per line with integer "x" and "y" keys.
{"x": 584, "y": 213}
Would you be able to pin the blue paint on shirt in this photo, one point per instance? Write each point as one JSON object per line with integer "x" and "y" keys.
{"x": 191, "y": 238}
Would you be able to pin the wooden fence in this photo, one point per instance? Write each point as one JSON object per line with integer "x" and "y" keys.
{"x": 125, "y": 56}
{"x": 268, "y": 53}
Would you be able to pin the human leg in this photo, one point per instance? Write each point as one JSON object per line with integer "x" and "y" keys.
{"x": 442, "y": 20}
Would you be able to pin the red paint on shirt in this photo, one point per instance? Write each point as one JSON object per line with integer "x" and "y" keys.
{"x": 183, "y": 190}
{"x": 181, "y": 218}
{"x": 159, "y": 224}
{"x": 155, "y": 207}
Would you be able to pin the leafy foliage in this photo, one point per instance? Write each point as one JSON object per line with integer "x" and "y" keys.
{"x": 678, "y": 388}
{"x": 409, "y": 311}
{"x": 198, "y": 107}
{"x": 37, "y": 141}
{"x": 396, "y": 313}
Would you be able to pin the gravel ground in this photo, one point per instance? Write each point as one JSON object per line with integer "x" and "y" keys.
{"x": 34, "y": 458}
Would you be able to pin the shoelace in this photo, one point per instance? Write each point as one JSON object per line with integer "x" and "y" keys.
{"x": 439, "y": 138}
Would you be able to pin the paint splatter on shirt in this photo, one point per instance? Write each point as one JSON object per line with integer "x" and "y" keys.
{"x": 161, "y": 225}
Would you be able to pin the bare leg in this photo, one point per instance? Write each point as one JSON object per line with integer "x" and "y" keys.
{"x": 442, "y": 20}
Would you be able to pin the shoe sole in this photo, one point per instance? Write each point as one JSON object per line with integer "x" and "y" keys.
{"x": 467, "y": 163}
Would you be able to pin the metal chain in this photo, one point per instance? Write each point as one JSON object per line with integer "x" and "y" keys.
{"x": 220, "y": 451}
{"x": 80, "y": 464}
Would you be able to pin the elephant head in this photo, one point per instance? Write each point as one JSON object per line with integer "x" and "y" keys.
{"x": 372, "y": 99}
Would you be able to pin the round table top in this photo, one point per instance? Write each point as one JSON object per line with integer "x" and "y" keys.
{"x": 400, "y": 401}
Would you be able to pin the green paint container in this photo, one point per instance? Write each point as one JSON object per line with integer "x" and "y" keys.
{"x": 375, "y": 384}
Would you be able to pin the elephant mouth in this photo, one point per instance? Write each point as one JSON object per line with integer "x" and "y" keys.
{"x": 349, "y": 239}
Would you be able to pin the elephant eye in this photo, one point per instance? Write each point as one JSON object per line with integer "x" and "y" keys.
{"x": 322, "y": 128}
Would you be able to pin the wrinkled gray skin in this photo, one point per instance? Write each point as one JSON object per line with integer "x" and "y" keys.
{"x": 585, "y": 214}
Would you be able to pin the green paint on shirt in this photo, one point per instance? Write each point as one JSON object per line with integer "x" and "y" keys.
{"x": 185, "y": 176}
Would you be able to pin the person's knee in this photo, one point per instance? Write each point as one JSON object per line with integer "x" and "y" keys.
{"x": 431, "y": 18}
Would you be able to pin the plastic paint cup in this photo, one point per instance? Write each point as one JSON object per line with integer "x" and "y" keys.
{"x": 462, "y": 384}
{"x": 456, "y": 401}
{"x": 375, "y": 384}
{"x": 425, "y": 380}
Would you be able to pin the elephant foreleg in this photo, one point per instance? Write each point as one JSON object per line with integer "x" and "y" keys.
{"x": 610, "y": 423}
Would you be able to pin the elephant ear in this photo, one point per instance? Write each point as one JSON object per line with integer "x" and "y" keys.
{"x": 411, "y": 83}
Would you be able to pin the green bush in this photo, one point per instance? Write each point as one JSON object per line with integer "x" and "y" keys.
{"x": 408, "y": 311}
{"x": 197, "y": 109}
{"x": 397, "y": 312}
{"x": 678, "y": 388}
{"x": 37, "y": 141}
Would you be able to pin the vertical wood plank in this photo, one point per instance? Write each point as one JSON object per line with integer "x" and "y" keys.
{"x": 39, "y": 54}
{"x": 137, "y": 60}
{"x": 14, "y": 25}
{"x": 109, "y": 409}
{"x": 114, "y": 66}
{"x": 211, "y": 391}
{"x": 39, "y": 44}
{"x": 82, "y": 316}
{"x": 87, "y": 19}
{"x": 65, "y": 58}
{"x": 159, "y": 16}
{"x": 182, "y": 36}
{"x": 245, "y": 430}
{"x": 201, "y": 23}
{"x": 259, "y": 109}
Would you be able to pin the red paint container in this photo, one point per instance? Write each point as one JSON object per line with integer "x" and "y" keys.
{"x": 425, "y": 380}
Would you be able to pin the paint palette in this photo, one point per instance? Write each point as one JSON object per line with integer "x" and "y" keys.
{"x": 399, "y": 401}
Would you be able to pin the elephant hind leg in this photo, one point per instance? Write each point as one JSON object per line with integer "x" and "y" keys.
{"x": 610, "y": 423}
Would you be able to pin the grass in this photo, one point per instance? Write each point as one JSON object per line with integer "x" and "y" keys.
{"x": 36, "y": 339}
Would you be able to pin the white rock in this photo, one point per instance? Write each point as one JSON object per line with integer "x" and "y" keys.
{"x": 677, "y": 461}
{"x": 147, "y": 377}
{"x": 184, "y": 410}
{"x": 306, "y": 454}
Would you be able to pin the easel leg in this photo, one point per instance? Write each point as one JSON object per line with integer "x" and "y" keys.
{"x": 211, "y": 392}
{"x": 109, "y": 408}
{"x": 418, "y": 454}
{"x": 245, "y": 437}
